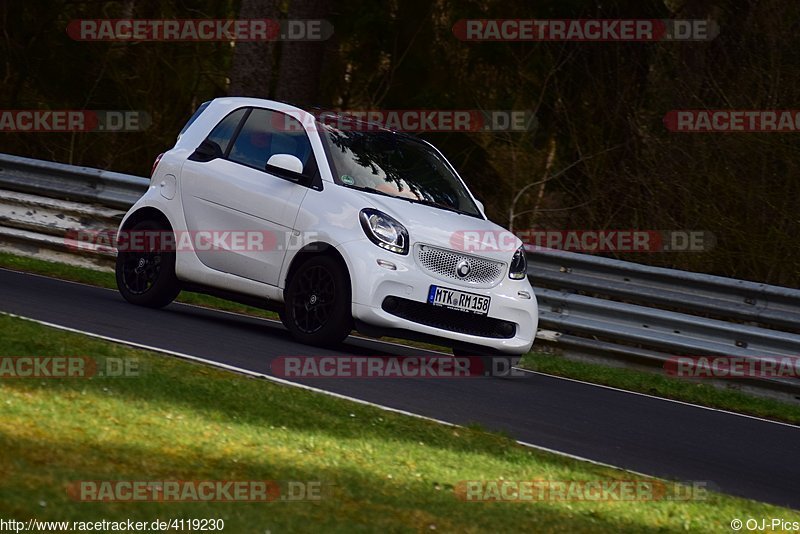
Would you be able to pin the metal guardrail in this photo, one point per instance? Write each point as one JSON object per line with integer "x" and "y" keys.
{"x": 642, "y": 314}
{"x": 70, "y": 182}
{"x": 589, "y": 305}
{"x": 32, "y": 225}
{"x": 778, "y": 307}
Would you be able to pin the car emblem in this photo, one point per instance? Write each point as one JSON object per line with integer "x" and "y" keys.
{"x": 463, "y": 268}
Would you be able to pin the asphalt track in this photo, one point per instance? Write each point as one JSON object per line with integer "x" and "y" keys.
{"x": 735, "y": 454}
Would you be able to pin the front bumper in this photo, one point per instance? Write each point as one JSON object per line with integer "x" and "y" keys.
{"x": 373, "y": 283}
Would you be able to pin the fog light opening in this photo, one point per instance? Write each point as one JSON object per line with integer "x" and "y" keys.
{"x": 390, "y": 304}
{"x": 505, "y": 329}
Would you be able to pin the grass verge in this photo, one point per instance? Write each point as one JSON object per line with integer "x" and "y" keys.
{"x": 628, "y": 379}
{"x": 381, "y": 471}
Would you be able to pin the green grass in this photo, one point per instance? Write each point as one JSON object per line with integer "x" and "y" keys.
{"x": 381, "y": 471}
{"x": 651, "y": 383}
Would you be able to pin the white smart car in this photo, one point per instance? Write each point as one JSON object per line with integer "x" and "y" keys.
{"x": 333, "y": 226}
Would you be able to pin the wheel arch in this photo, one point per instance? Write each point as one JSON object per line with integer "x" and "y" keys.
{"x": 319, "y": 248}
{"x": 146, "y": 213}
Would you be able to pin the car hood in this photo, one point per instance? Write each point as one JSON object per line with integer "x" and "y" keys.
{"x": 446, "y": 229}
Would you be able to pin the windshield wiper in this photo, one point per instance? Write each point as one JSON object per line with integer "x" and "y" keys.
{"x": 436, "y": 205}
{"x": 370, "y": 190}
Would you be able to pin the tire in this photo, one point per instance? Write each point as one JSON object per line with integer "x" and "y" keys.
{"x": 318, "y": 303}
{"x": 498, "y": 365}
{"x": 147, "y": 278}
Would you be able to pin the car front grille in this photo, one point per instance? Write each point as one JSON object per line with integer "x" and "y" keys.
{"x": 443, "y": 263}
{"x": 450, "y": 320}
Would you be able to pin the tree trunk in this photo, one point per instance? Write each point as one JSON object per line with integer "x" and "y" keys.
{"x": 253, "y": 62}
{"x": 301, "y": 61}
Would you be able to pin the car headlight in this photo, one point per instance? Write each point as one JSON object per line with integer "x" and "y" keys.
{"x": 384, "y": 230}
{"x": 519, "y": 265}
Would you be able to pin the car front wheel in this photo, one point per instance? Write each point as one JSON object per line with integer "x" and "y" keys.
{"x": 318, "y": 303}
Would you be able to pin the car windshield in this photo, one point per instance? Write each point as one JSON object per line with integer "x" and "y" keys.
{"x": 396, "y": 165}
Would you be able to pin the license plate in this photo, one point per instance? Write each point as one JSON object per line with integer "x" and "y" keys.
{"x": 458, "y": 300}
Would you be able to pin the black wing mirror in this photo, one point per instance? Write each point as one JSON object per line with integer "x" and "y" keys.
{"x": 207, "y": 151}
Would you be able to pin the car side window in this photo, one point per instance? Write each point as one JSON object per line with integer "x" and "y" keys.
{"x": 266, "y": 133}
{"x": 226, "y": 129}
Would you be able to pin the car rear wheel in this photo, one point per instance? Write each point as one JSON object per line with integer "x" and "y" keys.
{"x": 318, "y": 303}
{"x": 147, "y": 277}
